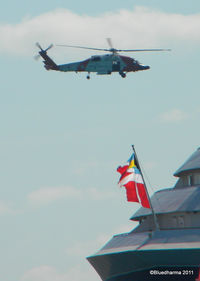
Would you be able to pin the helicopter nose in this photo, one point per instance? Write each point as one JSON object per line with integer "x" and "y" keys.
{"x": 146, "y": 67}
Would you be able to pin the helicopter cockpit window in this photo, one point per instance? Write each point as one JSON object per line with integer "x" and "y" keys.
{"x": 96, "y": 58}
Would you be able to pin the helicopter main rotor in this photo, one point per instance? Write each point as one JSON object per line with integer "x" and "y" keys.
{"x": 113, "y": 50}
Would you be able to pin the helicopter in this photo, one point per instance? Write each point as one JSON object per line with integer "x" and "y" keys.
{"x": 101, "y": 64}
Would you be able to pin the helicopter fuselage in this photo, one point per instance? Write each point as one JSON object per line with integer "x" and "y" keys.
{"x": 105, "y": 64}
{"x": 102, "y": 65}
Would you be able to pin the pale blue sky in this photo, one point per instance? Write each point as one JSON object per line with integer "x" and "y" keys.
{"x": 13, "y": 11}
{"x": 62, "y": 136}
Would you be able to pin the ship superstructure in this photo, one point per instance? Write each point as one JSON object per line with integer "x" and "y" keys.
{"x": 175, "y": 245}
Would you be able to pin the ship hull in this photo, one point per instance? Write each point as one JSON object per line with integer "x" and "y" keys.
{"x": 148, "y": 265}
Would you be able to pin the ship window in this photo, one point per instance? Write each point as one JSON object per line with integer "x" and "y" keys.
{"x": 142, "y": 220}
{"x": 174, "y": 222}
{"x": 184, "y": 180}
{"x": 178, "y": 221}
{"x": 196, "y": 179}
{"x": 181, "y": 221}
{"x": 190, "y": 180}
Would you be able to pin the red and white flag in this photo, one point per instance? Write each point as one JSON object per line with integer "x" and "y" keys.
{"x": 132, "y": 180}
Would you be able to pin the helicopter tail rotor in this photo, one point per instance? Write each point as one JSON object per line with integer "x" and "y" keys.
{"x": 41, "y": 50}
{"x": 48, "y": 62}
{"x": 39, "y": 46}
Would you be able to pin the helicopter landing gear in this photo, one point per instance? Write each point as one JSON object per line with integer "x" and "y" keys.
{"x": 88, "y": 76}
{"x": 123, "y": 75}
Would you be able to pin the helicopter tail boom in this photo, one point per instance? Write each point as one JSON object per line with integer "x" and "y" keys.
{"x": 49, "y": 64}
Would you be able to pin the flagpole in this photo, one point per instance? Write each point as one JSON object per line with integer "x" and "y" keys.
{"x": 153, "y": 212}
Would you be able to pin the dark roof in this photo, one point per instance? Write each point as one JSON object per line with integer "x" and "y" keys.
{"x": 165, "y": 239}
{"x": 193, "y": 163}
{"x": 172, "y": 200}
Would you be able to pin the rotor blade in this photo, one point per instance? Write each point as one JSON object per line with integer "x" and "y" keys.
{"x": 80, "y": 47}
{"x": 38, "y": 45}
{"x": 144, "y": 50}
{"x": 110, "y": 42}
{"x": 49, "y": 47}
{"x": 114, "y": 50}
{"x": 37, "y": 57}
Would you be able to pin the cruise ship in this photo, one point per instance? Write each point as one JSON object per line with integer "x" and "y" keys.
{"x": 166, "y": 250}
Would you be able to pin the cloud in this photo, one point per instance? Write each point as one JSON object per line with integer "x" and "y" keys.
{"x": 5, "y": 209}
{"x": 48, "y": 195}
{"x": 81, "y": 272}
{"x": 99, "y": 194}
{"x": 126, "y": 227}
{"x": 42, "y": 273}
{"x": 50, "y": 273}
{"x": 138, "y": 28}
{"x": 174, "y": 116}
{"x": 83, "y": 249}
